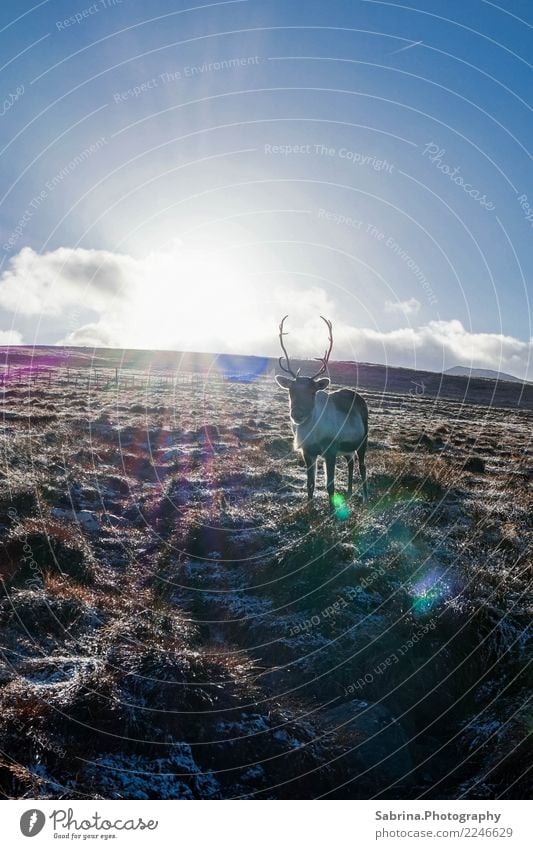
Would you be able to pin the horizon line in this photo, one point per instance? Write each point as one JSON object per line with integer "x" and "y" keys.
{"x": 218, "y": 354}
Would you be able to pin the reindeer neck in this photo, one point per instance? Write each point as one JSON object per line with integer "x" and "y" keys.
{"x": 303, "y": 430}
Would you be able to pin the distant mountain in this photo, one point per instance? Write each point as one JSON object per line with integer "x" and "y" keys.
{"x": 488, "y": 373}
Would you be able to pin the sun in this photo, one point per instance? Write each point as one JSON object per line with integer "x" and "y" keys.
{"x": 187, "y": 297}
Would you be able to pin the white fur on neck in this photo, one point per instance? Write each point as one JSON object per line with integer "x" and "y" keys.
{"x": 327, "y": 425}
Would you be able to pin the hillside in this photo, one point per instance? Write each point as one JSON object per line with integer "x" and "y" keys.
{"x": 367, "y": 376}
{"x": 486, "y": 373}
{"x": 178, "y": 623}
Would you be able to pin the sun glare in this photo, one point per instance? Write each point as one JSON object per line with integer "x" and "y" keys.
{"x": 187, "y": 297}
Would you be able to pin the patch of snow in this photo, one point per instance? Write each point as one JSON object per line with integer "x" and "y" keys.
{"x": 85, "y": 518}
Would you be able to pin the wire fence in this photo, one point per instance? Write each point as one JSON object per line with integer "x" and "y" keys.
{"x": 116, "y": 378}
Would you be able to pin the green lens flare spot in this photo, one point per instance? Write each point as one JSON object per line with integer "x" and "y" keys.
{"x": 342, "y": 511}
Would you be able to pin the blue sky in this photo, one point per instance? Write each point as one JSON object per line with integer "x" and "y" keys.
{"x": 181, "y": 175}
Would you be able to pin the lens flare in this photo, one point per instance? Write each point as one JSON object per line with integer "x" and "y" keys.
{"x": 241, "y": 369}
{"x": 429, "y": 592}
{"x": 342, "y": 511}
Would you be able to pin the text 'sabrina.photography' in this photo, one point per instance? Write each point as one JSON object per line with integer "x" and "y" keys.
{"x": 266, "y": 395}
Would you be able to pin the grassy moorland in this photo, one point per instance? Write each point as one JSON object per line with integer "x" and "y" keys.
{"x": 177, "y": 622}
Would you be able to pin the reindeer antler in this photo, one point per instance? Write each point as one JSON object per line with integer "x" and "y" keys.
{"x": 281, "y": 335}
{"x": 325, "y": 359}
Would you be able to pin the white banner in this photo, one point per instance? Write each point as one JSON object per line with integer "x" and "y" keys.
{"x": 263, "y": 825}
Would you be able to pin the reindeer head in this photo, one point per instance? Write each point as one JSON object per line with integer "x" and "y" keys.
{"x": 302, "y": 390}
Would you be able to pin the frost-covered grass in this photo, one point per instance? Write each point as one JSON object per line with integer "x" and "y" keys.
{"x": 177, "y": 622}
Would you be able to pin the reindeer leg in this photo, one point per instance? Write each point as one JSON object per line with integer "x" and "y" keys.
{"x": 310, "y": 463}
{"x": 330, "y": 458}
{"x": 350, "y": 474}
{"x": 362, "y": 468}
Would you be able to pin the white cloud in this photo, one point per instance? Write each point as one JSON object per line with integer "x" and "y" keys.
{"x": 409, "y": 307}
{"x": 94, "y": 335}
{"x": 183, "y": 300}
{"x": 438, "y": 345}
{"x": 435, "y": 346}
{"x": 47, "y": 284}
{"x": 10, "y": 337}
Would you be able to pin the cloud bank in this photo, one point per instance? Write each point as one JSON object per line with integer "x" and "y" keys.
{"x": 10, "y": 337}
{"x": 47, "y": 284}
{"x": 165, "y": 300}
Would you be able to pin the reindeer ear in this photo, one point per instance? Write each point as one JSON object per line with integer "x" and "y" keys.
{"x": 284, "y": 382}
{"x": 323, "y": 383}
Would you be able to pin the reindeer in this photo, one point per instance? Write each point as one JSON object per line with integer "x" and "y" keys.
{"x": 325, "y": 423}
